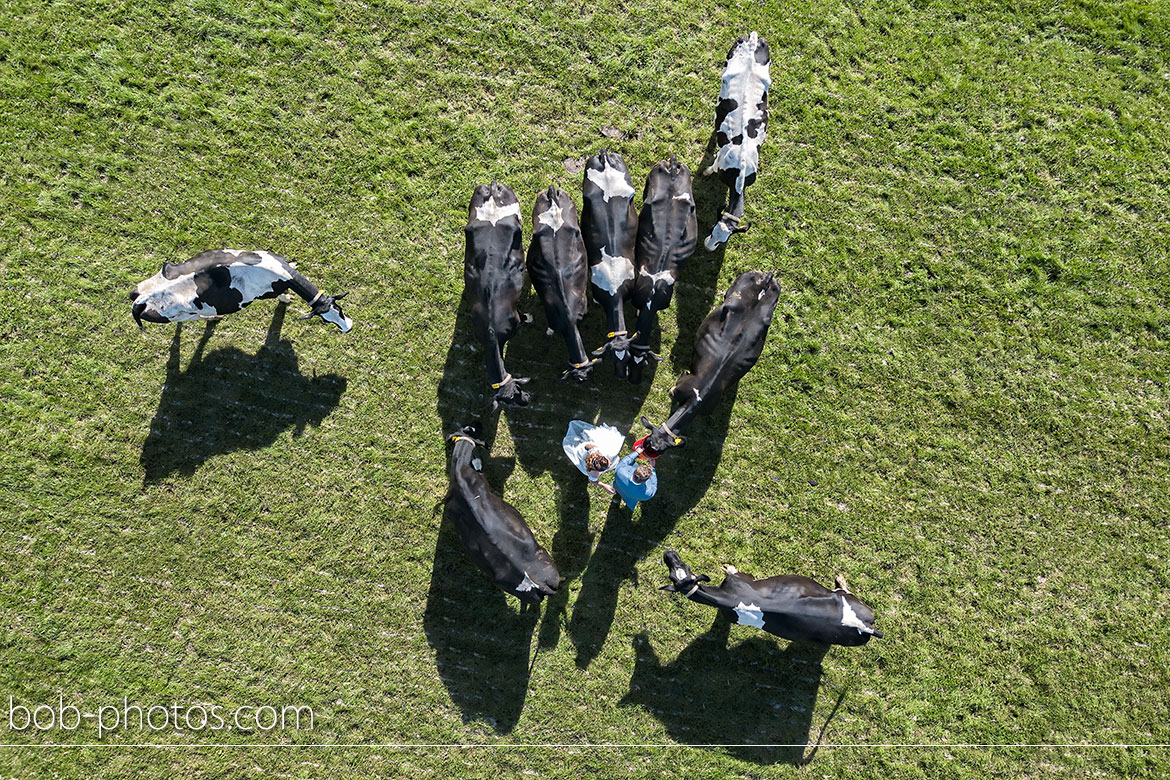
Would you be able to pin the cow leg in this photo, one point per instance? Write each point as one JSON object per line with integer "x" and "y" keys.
{"x": 580, "y": 364}
{"x": 272, "y": 337}
{"x": 839, "y": 581}
{"x": 729, "y": 221}
{"x": 208, "y": 329}
{"x": 619, "y": 343}
{"x": 640, "y": 344}
{"x": 505, "y": 385}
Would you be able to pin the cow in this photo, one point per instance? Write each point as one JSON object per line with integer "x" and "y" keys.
{"x": 741, "y": 121}
{"x": 609, "y": 223}
{"x": 559, "y": 273}
{"x": 788, "y": 606}
{"x": 667, "y": 234}
{"x": 492, "y": 531}
{"x": 727, "y": 344}
{"x": 219, "y": 282}
{"x": 493, "y": 278}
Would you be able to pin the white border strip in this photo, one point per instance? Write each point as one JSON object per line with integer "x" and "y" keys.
{"x": 409, "y": 746}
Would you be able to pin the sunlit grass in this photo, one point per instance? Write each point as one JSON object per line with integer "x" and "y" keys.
{"x": 961, "y": 406}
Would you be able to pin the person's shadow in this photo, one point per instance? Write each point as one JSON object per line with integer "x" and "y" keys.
{"x": 482, "y": 638}
{"x": 683, "y": 478}
{"x": 231, "y": 400}
{"x": 538, "y": 429}
{"x": 755, "y": 698}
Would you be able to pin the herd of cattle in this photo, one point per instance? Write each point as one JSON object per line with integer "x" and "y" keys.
{"x": 614, "y": 254}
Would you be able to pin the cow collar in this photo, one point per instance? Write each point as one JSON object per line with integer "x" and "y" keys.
{"x": 672, "y": 434}
{"x": 507, "y": 378}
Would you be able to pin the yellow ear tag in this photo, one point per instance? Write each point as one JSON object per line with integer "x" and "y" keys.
{"x": 677, "y": 442}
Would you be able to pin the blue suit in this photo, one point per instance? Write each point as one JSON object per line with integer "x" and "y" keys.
{"x": 630, "y": 491}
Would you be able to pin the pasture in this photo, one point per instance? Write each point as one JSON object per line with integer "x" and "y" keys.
{"x": 961, "y": 407}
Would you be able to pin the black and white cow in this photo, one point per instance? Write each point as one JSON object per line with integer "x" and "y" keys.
{"x": 788, "y": 606}
{"x": 741, "y": 121}
{"x": 727, "y": 344}
{"x": 493, "y": 533}
{"x": 493, "y": 278}
{"x": 609, "y": 222}
{"x": 219, "y": 282}
{"x": 559, "y": 273}
{"x": 667, "y": 233}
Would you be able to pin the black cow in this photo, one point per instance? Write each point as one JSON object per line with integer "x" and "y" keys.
{"x": 556, "y": 264}
{"x": 741, "y": 121}
{"x": 493, "y": 278}
{"x": 727, "y": 345}
{"x": 788, "y": 606}
{"x": 219, "y": 282}
{"x": 667, "y": 233}
{"x": 493, "y": 533}
{"x": 610, "y": 225}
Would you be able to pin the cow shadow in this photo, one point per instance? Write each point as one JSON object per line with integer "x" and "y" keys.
{"x": 538, "y": 429}
{"x": 464, "y": 397}
{"x": 230, "y": 400}
{"x": 684, "y": 475}
{"x": 461, "y": 398}
{"x": 754, "y": 699}
{"x": 695, "y": 299}
{"x": 481, "y": 642}
{"x": 481, "y": 638}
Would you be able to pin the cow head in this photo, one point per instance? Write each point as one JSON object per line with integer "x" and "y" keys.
{"x": 327, "y": 308}
{"x": 727, "y": 225}
{"x": 142, "y": 310}
{"x": 660, "y": 439}
{"x": 508, "y": 392}
{"x": 470, "y": 433}
{"x": 682, "y": 579}
{"x": 579, "y": 373}
{"x": 621, "y": 349}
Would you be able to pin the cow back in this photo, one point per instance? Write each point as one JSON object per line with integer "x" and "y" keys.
{"x": 792, "y": 607}
{"x": 494, "y": 535}
{"x": 556, "y": 260}
{"x": 212, "y": 258}
{"x": 730, "y": 340}
{"x": 493, "y": 263}
{"x": 741, "y": 117}
{"x": 667, "y": 233}
{"x": 609, "y": 225}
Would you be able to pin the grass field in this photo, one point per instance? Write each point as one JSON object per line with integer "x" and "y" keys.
{"x": 962, "y": 405}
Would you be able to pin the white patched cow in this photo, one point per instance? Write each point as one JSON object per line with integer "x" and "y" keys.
{"x": 788, "y": 606}
{"x": 219, "y": 282}
{"x": 741, "y": 121}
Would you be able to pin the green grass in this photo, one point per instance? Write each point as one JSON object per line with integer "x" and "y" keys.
{"x": 962, "y": 404}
